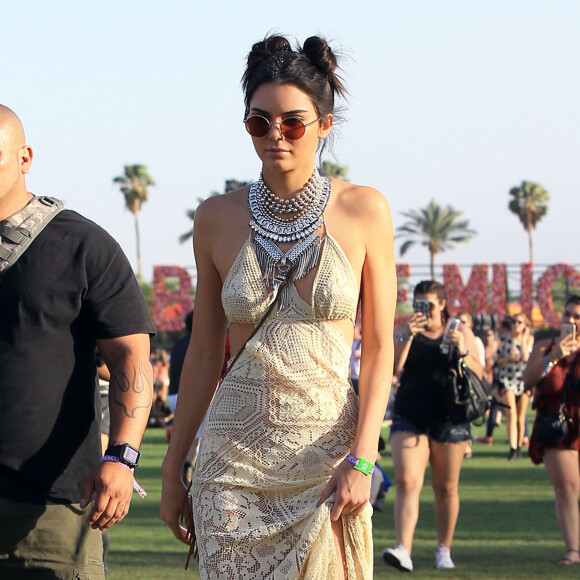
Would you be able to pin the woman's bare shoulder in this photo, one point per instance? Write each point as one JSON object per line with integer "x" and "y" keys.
{"x": 362, "y": 204}
{"x": 220, "y": 209}
{"x": 359, "y": 197}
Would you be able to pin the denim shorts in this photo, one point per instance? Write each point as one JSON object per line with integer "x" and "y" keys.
{"x": 442, "y": 433}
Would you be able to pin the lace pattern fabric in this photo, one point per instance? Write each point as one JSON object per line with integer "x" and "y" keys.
{"x": 279, "y": 425}
{"x": 245, "y": 297}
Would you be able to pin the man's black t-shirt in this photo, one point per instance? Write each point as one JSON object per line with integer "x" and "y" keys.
{"x": 71, "y": 286}
{"x": 177, "y": 359}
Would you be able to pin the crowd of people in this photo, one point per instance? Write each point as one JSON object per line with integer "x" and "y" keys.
{"x": 297, "y": 272}
{"x": 515, "y": 370}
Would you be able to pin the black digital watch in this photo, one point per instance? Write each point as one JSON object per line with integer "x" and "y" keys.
{"x": 125, "y": 453}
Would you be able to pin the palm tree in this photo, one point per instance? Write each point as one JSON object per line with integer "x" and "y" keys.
{"x": 231, "y": 185}
{"x": 436, "y": 227}
{"x": 134, "y": 186}
{"x": 530, "y": 203}
{"x": 329, "y": 169}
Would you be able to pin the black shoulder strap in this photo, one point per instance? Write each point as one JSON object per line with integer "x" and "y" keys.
{"x": 19, "y": 230}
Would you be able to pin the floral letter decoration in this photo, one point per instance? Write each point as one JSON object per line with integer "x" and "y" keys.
{"x": 170, "y": 306}
{"x": 472, "y": 297}
{"x": 545, "y": 284}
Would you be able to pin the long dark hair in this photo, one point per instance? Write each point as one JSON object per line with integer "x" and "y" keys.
{"x": 433, "y": 287}
{"x": 312, "y": 68}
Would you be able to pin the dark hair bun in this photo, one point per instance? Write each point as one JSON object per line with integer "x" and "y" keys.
{"x": 320, "y": 54}
{"x": 266, "y": 48}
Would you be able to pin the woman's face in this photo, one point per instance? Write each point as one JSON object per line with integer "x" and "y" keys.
{"x": 435, "y": 309}
{"x": 571, "y": 315}
{"x": 519, "y": 325}
{"x": 277, "y": 102}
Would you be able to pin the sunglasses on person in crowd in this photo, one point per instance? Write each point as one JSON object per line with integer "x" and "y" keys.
{"x": 290, "y": 127}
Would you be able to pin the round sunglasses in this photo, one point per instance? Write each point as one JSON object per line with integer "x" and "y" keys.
{"x": 290, "y": 127}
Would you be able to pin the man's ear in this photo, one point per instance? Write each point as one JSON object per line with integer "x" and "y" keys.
{"x": 26, "y": 155}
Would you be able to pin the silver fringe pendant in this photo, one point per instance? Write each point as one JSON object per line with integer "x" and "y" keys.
{"x": 275, "y": 264}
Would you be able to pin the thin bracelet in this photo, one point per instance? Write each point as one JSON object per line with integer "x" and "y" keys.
{"x": 136, "y": 487}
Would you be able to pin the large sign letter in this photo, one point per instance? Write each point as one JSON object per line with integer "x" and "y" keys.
{"x": 472, "y": 297}
{"x": 170, "y": 305}
{"x": 545, "y": 290}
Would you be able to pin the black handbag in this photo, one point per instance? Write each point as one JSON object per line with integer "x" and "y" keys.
{"x": 552, "y": 428}
{"x": 467, "y": 399}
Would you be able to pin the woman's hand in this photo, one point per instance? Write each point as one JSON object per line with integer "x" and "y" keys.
{"x": 515, "y": 355}
{"x": 352, "y": 491}
{"x": 415, "y": 324}
{"x": 526, "y": 336}
{"x": 564, "y": 347}
{"x": 458, "y": 339}
{"x": 175, "y": 507}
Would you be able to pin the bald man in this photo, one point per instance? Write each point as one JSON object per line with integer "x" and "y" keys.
{"x": 72, "y": 288}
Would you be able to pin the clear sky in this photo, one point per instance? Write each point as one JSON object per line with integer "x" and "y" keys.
{"x": 450, "y": 99}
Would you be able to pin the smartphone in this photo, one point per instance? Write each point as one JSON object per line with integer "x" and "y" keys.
{"x": 452, "y": 324}
{"x": 422, "y": 305}
{"x": 568, "y": 328}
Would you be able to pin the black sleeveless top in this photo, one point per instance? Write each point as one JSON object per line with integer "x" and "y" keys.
{"x": 420, "y": 398}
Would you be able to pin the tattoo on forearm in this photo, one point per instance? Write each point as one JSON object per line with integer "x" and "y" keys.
{"x": 135, "y": 382}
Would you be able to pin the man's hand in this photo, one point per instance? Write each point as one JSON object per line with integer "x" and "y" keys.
{"x": 113, "y": 485}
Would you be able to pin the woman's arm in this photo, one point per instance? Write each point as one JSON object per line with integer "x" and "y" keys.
{"x": 543, "y": 358}
{"x": 201, "y": 369}
{"x": 373, "y": 227}
{"x": 527, "y": 344}
{"x": 379, "y": 296}
{"x": 464, "y": 339}
{"x": 536, "y": 368}
{"x": 404, "y": 334}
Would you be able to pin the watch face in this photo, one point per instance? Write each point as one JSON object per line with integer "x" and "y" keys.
{"x": 131, "y": 455}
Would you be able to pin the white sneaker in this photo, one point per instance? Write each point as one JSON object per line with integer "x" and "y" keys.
{"x": 443, "y": 559}
{"x": 399, "y": 558}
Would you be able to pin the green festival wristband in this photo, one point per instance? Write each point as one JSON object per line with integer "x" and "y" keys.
{"x": 361, "y": 464}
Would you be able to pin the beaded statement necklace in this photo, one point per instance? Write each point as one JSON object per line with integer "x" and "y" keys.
{"x": 308, "y": 215}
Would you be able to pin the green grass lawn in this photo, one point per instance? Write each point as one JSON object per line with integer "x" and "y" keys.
{"x": 507, "y": 526}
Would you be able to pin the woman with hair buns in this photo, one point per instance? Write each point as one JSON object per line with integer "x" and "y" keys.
{"x": 282, "y": 481}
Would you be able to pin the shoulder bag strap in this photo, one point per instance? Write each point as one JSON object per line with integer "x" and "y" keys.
{"x": 19, "y": 230}
{"x": 263, "y": 319}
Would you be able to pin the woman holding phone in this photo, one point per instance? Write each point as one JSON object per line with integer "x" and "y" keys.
{"x": 554, "y": 371}
{"x": 420, "y": 431}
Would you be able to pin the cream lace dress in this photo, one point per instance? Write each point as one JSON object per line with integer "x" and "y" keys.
{"x": 282, "y": 420}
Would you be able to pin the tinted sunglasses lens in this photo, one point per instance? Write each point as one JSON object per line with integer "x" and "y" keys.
{"x": 292, "y": 128}
{"x": 257, "y": 126}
